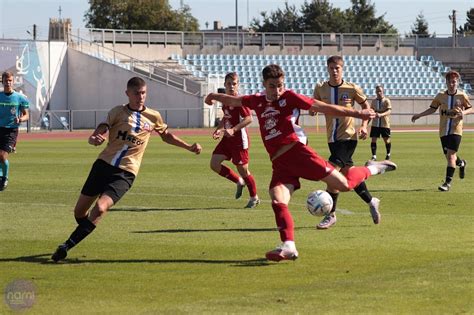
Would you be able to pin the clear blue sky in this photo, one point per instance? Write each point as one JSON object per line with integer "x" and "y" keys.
{"x": 18, "y": 16}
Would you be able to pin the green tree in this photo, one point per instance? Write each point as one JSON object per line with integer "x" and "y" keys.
{"x": 420, "y": 27}
{"x": 318, "y": 16}
{"x": 468, "y": 27}
{"x": 362, "y": 19}
{"x": 139, "y": 15}
{"x": 286, "y": 20}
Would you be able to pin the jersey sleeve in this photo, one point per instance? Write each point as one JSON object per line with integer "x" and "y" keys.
{"x": 436, "y": 102}
{"x": 111, "y": 117}
{"x": 300, "y": 101}
{"x": 24, "y": 103}
{"x": 317, "y": 92}
{"x": 388, "y": 104}
{"x": 250, "y": 101}
{"x": 244, "y": 111}
{"x": 359, "y": 95}
{"x": 467, "y": 102}
{"x": 160, "y": 125}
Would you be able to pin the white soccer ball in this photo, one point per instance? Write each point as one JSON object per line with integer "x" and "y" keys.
{"x": 319, "y": 203}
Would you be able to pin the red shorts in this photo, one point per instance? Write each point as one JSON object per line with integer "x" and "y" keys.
{"x": 236, "y": 153}
{"x": 299, "y": 162}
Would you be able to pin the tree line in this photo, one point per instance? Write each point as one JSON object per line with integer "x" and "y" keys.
{"x": 314, "y": 16}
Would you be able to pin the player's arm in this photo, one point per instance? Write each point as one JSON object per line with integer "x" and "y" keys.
{"x": 24, "y": 116}
{"x": 170, "y": 138}
{"x": 384, "y": 112}
{"x": 322, "y": 107}
{"x": 99, "y": 135}
{"x": 229, "y": 100}
{"x": 429, "y": 111}
{"x": 363, "y": 127}
{"x": 244, "y": 123}
{"x": 218, "y": 132}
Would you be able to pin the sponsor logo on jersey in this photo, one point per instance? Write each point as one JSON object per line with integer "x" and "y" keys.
{"x": 282, "y": 102}
{"x": 125, "y": 136}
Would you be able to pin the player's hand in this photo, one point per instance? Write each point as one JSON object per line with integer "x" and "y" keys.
{"x": 217, "y": 134}
{"x": 363, "y": 133}
{"x": 414, "y": 118}
{"x": 458, "y": 113}
{"x": 17, "y": 120}
{"x": 96, "y": 140}
{"x": 229, "y": 132}
{"x": 367, "y": 114}
{"x": 312, "y": 112}
{"x": 196, "y": 148}
{"x": 209, "y": 100}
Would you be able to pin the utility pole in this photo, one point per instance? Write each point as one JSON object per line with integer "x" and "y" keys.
{"x": 453, "y": 21}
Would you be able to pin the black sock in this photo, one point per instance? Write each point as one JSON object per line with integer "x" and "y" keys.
{"x": 458, "y": 161}
{"x": 84, "y": 228}
{"x": 449, "y": 174}
{"x": 334, "y": 200}
{"x": 388, "y": 147}
{"x": 79, "y": 220}
{"x": 373, "y": 147}
{"x": 363, "y": 192}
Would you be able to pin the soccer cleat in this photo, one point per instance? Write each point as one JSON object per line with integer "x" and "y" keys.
{"x": 328, "y": 221}
{"x": 282, "y": 252}
{"x": 374, "y": 158}
{"x": 387, "y": 157}
{"x": 374, "y": 206}
{"x": 253, "y": 202}
{"x": 462, "y": 169}
{"x": 380, "y": 167}
{"x": 3, "y": 183}
{"x": 444, "y": 187}
{"x": 238, "y": 192}
{"x": 60, "y": 253}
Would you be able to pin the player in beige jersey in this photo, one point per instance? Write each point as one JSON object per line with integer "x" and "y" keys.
{"x": 381, "y": 125}
{"x": 128, "y": 128}
{"x": 341, "y": 133}
{"x": 453, "y": 105}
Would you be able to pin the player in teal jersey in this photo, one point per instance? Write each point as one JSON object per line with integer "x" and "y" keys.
{"x": 13, "y": 111}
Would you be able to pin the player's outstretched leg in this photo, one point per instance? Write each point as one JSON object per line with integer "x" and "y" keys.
{"x": 380, "y": 167}
{"x": 83, "y": 229}
{"x": 287, "y": 250}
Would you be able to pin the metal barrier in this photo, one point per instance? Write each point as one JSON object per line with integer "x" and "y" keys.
{"x": 223, "y": 39}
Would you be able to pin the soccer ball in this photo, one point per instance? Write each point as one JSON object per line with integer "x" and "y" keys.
{"x": 319, "y": 203}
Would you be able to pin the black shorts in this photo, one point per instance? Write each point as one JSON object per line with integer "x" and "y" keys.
{"x": 450, "y": 142}
{"x": 341, "y": 152}
{"x": 8, "y": 139}
{"x": 105, "y": 179}
{"x": 377, "y": 132}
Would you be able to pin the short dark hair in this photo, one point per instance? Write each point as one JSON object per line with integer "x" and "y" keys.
{"x": 272, "y": 72}
{"x": 135, "y": 82}
{"x": 7, "y": 74}
{"x": 335, "y": 59}
{"x": 231, "y": 76}
{"x": 379, "y": 86}
{"x": 452, "y": 74}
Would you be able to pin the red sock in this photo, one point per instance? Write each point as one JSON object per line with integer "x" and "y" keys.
{"x": 251, "y": 185}
{"x": 284, "y": 221}
{"x": 356, "y": 175}
{"x": 229, "y": 174}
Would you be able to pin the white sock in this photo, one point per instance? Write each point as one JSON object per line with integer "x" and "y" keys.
{"x": 375, "y": 170}
{"x": 290, "y": 245}
{"x": 241, "y": 181}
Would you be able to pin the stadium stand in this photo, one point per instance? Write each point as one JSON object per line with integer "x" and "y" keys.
{"x": 403, "y": 76}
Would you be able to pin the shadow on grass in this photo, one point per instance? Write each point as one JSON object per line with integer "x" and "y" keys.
{"x": 45, "y": 260}
{"x": 130, "y": 209}
{"x": 402, "y": 190}
{"x": 217, "y": 230}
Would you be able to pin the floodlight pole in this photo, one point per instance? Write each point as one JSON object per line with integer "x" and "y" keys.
{"x": 237, "y": 21}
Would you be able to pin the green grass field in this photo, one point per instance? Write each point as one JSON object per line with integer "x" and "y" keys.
{"x": 179, "y": 242}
